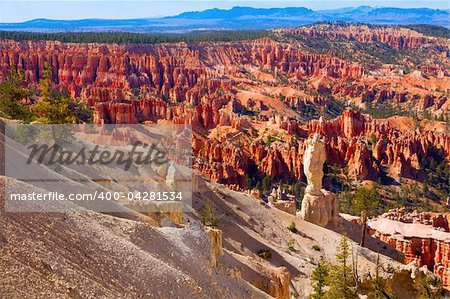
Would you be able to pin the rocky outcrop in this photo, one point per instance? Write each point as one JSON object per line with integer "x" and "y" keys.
{"x": 395, "y": 46}
{"x": 397, "y": 38}
{"x": 436, "y": 220}
{"x": 198, "y": 84}
{"x": 279, "y": 283}
{"x": 364, "y": 144}
{"x": 193, "y": 73}
{"x": 424, "y": 244}
{"x": 216, "y": 244}
{"x": 273, "y": 281}
{"x": 287, "y": 206}
{"x": 353, "y": 140}
{"x": 318, "y": 206}
{"x": 97, "y": 72}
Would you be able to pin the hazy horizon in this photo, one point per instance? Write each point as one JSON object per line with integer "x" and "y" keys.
{"x": 20, "y": 11}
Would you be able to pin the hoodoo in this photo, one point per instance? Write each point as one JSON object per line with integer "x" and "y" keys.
{"x": 319, "y": 206}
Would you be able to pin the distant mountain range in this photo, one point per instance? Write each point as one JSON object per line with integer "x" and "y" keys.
{"x": 239, "y": 12}
{"x": 243, "y": 18}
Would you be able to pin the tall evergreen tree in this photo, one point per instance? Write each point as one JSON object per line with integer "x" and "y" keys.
{"x": 266, "y": 183}
{"x": 12, "y": 96}
{"x": 367, "y": 203}
{"x": 341, "y": 283}
{"x": 319, "y": 280}
{"x": 429, "y": 286}
{"x": 378, "y": 291}
{"x": 55, "y": 107}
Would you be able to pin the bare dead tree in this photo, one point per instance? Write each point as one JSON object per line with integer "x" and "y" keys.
{"x": 364, "y": 227}
{"x": 355, "y": 267}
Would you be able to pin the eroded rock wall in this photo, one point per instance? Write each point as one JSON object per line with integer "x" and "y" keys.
{"x": 423, "y": 238}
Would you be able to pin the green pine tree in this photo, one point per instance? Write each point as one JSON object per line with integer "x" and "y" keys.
{"x": 429, "y": 286}
{"x": 366, "y": 202}
{"x": 12, "y": 96}
{"x": 341, "y": 283}
{"x": 266, "y": 183}
{"x": 319, "y": 280}
{"x": 209, "y": 215}
{"x": 55, "y": 107}
{"x": 298, "y": 190}
{"x": 378, "y": 285}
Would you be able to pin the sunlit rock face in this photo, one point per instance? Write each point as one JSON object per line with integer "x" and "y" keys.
{"x": 318, "y": 206}
{"x": 423, "y": 238}
{"x": 214, "y": 85}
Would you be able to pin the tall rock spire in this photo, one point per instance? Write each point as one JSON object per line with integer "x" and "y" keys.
{"x": 318, "y": 206}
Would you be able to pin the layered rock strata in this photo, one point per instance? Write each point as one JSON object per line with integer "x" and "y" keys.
{"x": 201, "y": 84}
{"x": 424, "y": 244}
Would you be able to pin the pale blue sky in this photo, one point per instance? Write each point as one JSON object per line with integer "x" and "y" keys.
{"x": 23, "y": 10}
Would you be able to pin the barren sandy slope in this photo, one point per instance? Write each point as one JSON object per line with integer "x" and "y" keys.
{"x": 86, "y": 255}
{"x": 90, "y": 255}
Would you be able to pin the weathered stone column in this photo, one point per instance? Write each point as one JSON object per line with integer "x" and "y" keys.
{"x": 318, "y": 206}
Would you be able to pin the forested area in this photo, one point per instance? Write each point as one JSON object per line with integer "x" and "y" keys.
{"x": 137, "y": 38}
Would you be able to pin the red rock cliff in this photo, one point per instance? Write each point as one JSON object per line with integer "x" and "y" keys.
{"x": 426, "y": 244}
